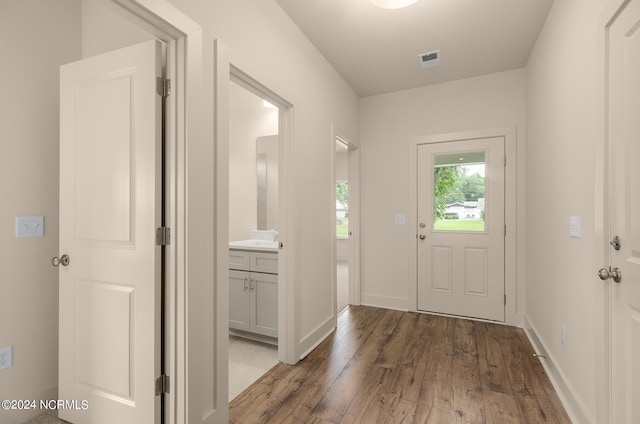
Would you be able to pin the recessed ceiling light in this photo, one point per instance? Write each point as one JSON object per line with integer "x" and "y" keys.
{"x": 393, "y": 4}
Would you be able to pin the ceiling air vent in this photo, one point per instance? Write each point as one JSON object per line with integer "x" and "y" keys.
{"x": 429, "y": 59}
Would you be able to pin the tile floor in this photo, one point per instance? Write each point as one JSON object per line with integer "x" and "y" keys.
{"x": 248, "y": 361}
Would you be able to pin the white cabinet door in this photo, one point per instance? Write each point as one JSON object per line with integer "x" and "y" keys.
{"x": 239, "y": 300}
{"x": 253, "y": 296}
{"x": 110, "y": 135}
{"x": 264, "y": 304}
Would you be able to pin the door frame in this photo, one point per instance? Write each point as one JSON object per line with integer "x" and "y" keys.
{"x": 228, "y": 66}
{"x": 183, "y": 38}
{"x": 513, "y": 288}
{"x": 353, "y": 158}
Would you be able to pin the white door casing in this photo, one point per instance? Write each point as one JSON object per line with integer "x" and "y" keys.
{"x": 110, "y": 182}
{"x": 462, "y": 272}
{"x": 624, "y": 211}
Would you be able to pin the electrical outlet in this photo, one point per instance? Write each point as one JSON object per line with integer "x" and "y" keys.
{"x": 6, "y": 357}
{"x": 563, "y": 336}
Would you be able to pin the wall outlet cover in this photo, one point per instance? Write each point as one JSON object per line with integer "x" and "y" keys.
{"x": 6, "y": 357}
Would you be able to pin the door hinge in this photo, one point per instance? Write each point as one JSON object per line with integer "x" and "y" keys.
{"x": 163, "y": 236}
{"x": 505, "y": 230}
{"x": 505, "y": 299}
{"x": 505, "y": 160}
{"x": 163, "y": 86}
{"x": 162, "y": 385}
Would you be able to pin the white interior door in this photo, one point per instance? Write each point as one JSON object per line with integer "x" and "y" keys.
{"x": 624, "y": 139}
{"x": 110, "y": 182}
{"x": 460, "y": 234}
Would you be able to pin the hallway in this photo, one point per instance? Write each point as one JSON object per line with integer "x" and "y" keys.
{"x": 391, "y": 366}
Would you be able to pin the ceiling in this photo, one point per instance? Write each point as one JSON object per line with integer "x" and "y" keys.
{"x": 376, "y": 50}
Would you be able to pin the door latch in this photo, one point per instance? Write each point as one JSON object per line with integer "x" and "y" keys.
{"x": 615, "y": 243}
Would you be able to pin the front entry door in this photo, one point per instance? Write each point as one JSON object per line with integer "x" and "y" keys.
{"x": 624, "y": 178}
{"x": 460, "y": 234}
{"x": 110, "y": 184}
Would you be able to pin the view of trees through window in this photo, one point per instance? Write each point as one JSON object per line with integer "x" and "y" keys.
{"x": 342, "y": 208}
{"x": 459, "y": 198}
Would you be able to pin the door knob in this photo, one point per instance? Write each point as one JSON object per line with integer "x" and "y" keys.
{"x": 422, "y": 236}
{"x": 62, "y": 260}
{"x": 612, "y": 273}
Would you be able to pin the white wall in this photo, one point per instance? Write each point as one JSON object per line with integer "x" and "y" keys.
{"x": 265, "y": 43}
{"x": 387, "y": 122}
{"x": 248, "y": 120}
{"x": 38, "y": 36}
{"x": 104, "y": 30}
{"x": 562, "y": 132}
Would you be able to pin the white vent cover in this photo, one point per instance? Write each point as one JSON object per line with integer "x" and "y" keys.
{"x": 429, "y": 59}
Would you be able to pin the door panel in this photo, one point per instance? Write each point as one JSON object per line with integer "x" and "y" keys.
{"x": 624, "y": 127}
{"x": 110, "y": 182}
{"x": 460, "y": 244}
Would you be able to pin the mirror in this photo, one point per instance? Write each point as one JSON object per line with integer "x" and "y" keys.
{"x": 267, "y": 182}
{"x": 253, "y": 163}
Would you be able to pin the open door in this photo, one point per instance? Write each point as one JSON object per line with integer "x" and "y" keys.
{"x": 110, "y": 205}
{"x": 623, "y": 273}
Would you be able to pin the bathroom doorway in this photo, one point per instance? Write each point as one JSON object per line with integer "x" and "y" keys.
{"x": 253, "y": 235}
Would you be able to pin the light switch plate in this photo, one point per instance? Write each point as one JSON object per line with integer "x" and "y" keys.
{"x": 575, "y": 227}
{"x": 400, "y": 219}
{"x": 29, "y": 226}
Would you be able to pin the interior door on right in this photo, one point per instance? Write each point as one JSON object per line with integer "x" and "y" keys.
{"x": 460, "y": 234}
{"x": 624, "y": 139}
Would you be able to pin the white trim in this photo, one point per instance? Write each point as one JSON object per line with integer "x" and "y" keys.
{"x": 353, "y": 157}
{"x": 387, "y": 302}
{"x": 514, "y": 289}
{"x": 355, "y": 214}
{"x": 229, "y": 68}
{"x": 577, "y": 412}
{"x": 183, "y": 37}
{"x": 316, "y": 336}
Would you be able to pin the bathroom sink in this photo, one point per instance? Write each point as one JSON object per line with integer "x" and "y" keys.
{"x": 253, "y": 244}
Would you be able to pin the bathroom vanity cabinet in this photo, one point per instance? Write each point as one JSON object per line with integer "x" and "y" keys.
{"x": 253, "y": 292}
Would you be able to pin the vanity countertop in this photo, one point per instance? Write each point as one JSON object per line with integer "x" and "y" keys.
{"x": 261, "y": 245}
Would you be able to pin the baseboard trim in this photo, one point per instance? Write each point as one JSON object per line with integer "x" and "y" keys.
{"x": 318, "y": 335}
{"x": 387, "y": 302}
{"x": 575, "y": 409}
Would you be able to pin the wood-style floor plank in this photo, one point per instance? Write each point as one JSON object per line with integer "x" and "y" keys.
{"x": 386, "y": 366}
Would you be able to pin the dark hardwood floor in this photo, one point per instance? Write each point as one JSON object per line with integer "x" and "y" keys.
{"x": 385, "y": 366}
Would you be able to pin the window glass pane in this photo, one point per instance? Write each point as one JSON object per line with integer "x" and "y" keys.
{"x": 342, "y": 208}
{"x": 459, "y": 192}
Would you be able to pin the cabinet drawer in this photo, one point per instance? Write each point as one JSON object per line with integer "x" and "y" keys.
{"x": 239, "y": 259}
{"x": 264, "y": 262}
